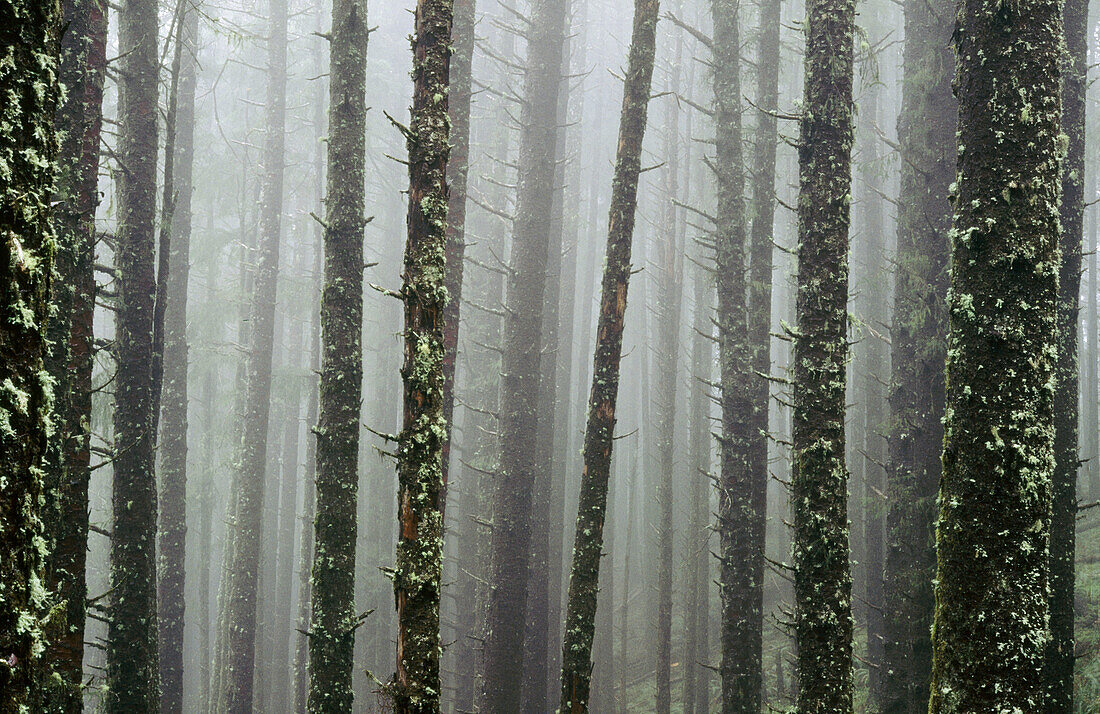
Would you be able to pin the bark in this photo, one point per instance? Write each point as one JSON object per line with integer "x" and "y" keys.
{"x": 995, "y": 494}
{"x": 520, "y": 367}
{"x": 1060, "y": 650}
{"x": 926, "y": 134}
{"x": 132, "y": 668}
{"x": 69, "y": 360}
{"x": 31, "y": 33}
{"x": 599, "y": 431}
{"x": 823, "y": 583}
{"x": 207, "y": 501}
{"x": 333, "y": 618}
{"x": 172, "y": 533}
{"x": 242, "y": 562}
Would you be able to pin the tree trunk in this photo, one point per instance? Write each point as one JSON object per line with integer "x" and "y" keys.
{"x": 998, "y": 458}
{"x": 823, "y": 583}
{"x": 31, "y": 34}
{"x": 132, "y": 666}
{"x": 333, "y": 618}
{"x": 69, "y": 360}
{"x": 599, "y": 432}
{"x": 172, "y": 533}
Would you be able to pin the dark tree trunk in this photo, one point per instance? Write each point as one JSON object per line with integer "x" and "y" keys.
{"x": 242, "y": 562}
{"x": 995, "y": 494}
{"x": 172, "y": 532}
{"x": 31, "y": 34}
{"x": 132, "y": 668}
{"x": 599, "y": 432}
{"x": 918, "y": 335}
{"x": 1060, "y": 649}
{"x": 521, "y": 361}
{"x": 819, "y": 500}
{"x": 333, "y": 618}
{"x": 69, "y": 361}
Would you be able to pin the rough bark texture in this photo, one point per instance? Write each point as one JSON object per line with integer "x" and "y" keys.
{"x": 521, "y": 361}
{"x": 580, "y": 618}
{"x": 333, "y": 618}
{"x": 83, "y": 65}
{"x": 132, "y": 670}
{"x": 926, "y": 135}
{"x": 242, "y": 562}
{"x": 29, "y": 81}
{"x": 1058, "y": 670}
{"x": 823, "y": 583}
{"x": 172, "y": 532}
{"x": 990, "y": 628}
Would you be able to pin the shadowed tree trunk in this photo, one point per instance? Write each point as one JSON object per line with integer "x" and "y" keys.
{"x": 332, "y": 595}
{"x": 82, "y": 70}
{"x": 819, "y": 501}
{"x": 580, "y": 616}
{"x": 132, "y": 668}
{"x": 994, "y": 526}
{"x": 926, "y": 135}
{"x": 172, "y": 533}
{"x": 31, "y": 34}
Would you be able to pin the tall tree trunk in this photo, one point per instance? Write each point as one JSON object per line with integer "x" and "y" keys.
{"x": 1060, "y": 650}
{"x": 132, "y": 669}
{"x": 31, "y": 34}
{"x": 599, "y": 431}
{"x": 819, "y": 501}
{"x": 69, "y": 360}
{"x": 520, "y": 367}
{"x": 333, "y": 618}
{"x": 242, "y": 562}
{"x": 918, "y": 336}
{"x": 207, "y": 499}
{"x": 172, "y": 533}
{"x": 998, "y": 459}
{"x": 1091, "y": 400}
{"x": 417, "y": 574}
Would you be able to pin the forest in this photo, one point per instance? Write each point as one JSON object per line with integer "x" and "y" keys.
{"x": 549, "y": 356}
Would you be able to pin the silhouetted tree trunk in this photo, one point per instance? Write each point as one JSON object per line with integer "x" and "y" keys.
{"x": 132, "y": 669}
{"x": 988, "y": 642}
{"x": 172, "y": 533}
{"x": 819, "y": 501}
{"x": 918, "y": 335}
{"x": 69, "y": 360}
{"x": 1060, "y": 650}
{"x": 31, "y": 34}
{"x": 242, "y": 562}
{"x": 333, "y": 618}
{"x": 521, "y": 360}
{"x": 599, "y": 431}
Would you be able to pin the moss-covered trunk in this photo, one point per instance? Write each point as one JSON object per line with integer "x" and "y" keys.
{"x": 580, "y": 618}
{"x": 823, "y": 583}
{"x": 30, "y": 32}
{"x": 990, "y": 627}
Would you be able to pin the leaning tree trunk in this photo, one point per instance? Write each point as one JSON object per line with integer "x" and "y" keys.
{"x": 242, "y": 561}
{"x": 918, "y": 336}
{"x": 1060, "y": 650}
{"x": 31, "y": 34}
{"x": 132, "y": 668}
{"x": 823, "y": 583}
{"x": 420, "y": 445}
{"x": 332, "y": 620}
{"x": 82, "y": 70}
{"x": 988, "y": 642}
{"x": 173, "y": 441}
{"x": 580, "y": 618}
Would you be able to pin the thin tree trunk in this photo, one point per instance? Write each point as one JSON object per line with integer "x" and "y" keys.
{"x": 823, "y": 583}
{"x": 998, "y": 458}
{"x": 599, "y": 432}
{"x": 1091, "y": 456}
{"x": 332, "y": 597}
{"x": 132, "y": 668}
